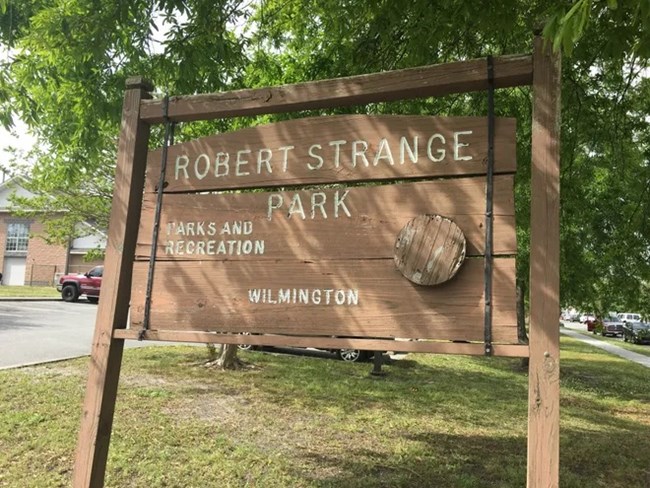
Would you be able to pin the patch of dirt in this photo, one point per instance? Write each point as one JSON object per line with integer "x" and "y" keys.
{"x": 54, "y": 370}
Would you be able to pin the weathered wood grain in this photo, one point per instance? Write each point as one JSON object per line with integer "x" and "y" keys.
{"x": 112, "y": 313}
{"x": 425, "y": 81}
{"x": 439, "y": 347}
{"x": 544, "y": 368}
{"x": 377, "y": 214}
{"x": 429, "y": 250}
{"x": 237, "y": 297}
{"x": 320, "y": 150}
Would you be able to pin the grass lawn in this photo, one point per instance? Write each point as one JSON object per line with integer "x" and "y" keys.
{"x": 294, "y": 421}
{"x": 639, "y": 348}
{"x": 28, "y": 291}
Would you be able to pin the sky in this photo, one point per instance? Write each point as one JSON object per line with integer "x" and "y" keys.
{"x": 21, "y": 140}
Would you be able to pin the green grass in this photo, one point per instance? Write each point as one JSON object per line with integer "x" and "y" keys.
{"x": 29, "y": 291}
{"x": 638, "y": 348}
{"x": 295, "y": 421}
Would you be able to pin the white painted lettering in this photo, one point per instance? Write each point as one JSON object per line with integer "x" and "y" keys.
{"x": 254, "y": 295}
{"x": 264, "y": 157}
{"x": 284, "y": 295}
{"x": 412, "y": 151}
{"x": 178, "y": 166}
{"x": 441, "y": 152}
{"x": 338, "y": 202}
{"x": 318, "y": 200}
{"x": 458, "y": 145}
{"x": 221, "y": 161}
{"x": 296, "y": 207}
{"x": 241, "y": 162}
{"x": 317, "y": 157}
{"x": 274, "y": 202}
{"x": 206, "y": 163}
{"x": 383, "y": 152}
{"x": 285, "y": 159}
{"x": 304, "y": 296}
{"x": 356, "y": 153}
{"x": 337, "y": 151}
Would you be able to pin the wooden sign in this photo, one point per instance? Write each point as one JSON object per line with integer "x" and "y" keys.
{"x": 342, "y": 148}
{"x": 334, "y": 265}
{"x": 312, "y": 298}
{"x": 321, "y": 224}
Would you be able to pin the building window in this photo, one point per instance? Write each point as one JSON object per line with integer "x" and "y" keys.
{"x": 17, "y": 237}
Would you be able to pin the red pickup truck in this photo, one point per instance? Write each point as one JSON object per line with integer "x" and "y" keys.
{"x": 72, "y": 286}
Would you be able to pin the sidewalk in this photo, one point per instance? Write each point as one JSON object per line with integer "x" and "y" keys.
{"x": 610, "y": 348}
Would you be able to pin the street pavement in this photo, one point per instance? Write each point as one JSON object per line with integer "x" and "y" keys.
{"x": 574, "y": 329}
{"x": 38, "y": 331}
{"x": 33, "y": 332}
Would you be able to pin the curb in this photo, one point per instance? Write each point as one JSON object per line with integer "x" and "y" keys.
{"x": 30, "y": 299}
{"x": 47, "y": 361}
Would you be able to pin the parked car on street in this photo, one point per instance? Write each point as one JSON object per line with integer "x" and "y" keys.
{"x": 637, "y": 332}
{"x": 611, "y": 325}
{"x": 348, "y": 355}
{"x": 72, "y": 286}
{"x": 627, "y": 317}
{"x": 584, "y": 318}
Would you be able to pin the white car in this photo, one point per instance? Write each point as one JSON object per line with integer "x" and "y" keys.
{"x": 629, "y": 318}
{"x": 584, "y": 318}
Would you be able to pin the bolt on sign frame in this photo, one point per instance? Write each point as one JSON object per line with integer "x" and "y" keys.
{"x": 309, "y": 267}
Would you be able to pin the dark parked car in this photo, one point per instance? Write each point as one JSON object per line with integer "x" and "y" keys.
{"x": 637, "y": 332}
{"x": 348, "y": 355}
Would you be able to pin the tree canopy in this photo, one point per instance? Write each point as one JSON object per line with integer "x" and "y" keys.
{"x": 67, "y": 61}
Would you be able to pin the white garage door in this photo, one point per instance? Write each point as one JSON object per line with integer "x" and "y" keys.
{"x": 14, "y": 271}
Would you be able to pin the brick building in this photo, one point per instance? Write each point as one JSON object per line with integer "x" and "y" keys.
{"x": 25, "y": 257}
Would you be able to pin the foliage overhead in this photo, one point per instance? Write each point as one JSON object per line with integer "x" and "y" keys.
{"x": 67, "y": 61}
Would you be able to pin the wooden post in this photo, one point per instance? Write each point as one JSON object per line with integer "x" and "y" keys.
{"x": 106, "y": 355}
{"x": 544, "y": 369}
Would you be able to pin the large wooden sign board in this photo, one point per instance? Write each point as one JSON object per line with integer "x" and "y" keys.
{"x": 316, "y": 256}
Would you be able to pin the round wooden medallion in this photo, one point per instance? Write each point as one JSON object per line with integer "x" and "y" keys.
{"x": 429, "y": 250}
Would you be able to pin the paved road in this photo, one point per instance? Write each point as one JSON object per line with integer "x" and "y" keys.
{"x": 35, "y": 332}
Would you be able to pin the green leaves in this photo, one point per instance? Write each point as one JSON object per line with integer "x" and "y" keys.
{"x": 65, "y": 73}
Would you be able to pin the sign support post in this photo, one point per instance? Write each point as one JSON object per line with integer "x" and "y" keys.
{"x": 544, "y": 368}
{"x": 113, "y": 309}
{"x": 444, "y": 320}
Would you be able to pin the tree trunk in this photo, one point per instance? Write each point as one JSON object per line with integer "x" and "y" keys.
{"x": 225, "y": 358}
{"x": 521, "y": 319}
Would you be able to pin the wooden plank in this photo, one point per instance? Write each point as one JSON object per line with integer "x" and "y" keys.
{"x": 544, "y": 369}
{"x": 112, "y": 313}
{"x": 368, "y": 298}
{"x": 367, "y": 225}
{"x": 469, "y": 348}
{"x": 420, "y": 82}
{"x": 333, "y": 149}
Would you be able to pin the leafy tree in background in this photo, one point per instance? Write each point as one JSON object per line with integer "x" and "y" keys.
{"x": 67, "y": 62}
